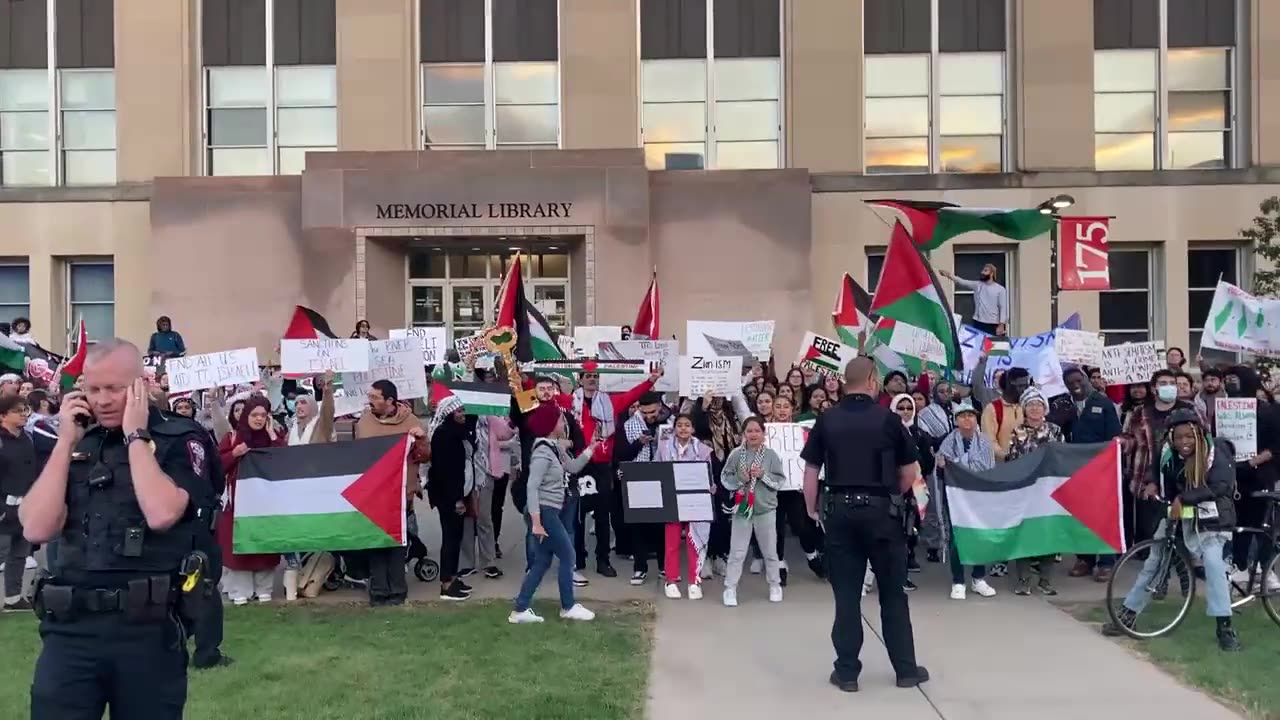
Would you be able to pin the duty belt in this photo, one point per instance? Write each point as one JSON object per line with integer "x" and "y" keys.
{"x": 147, "y": 599}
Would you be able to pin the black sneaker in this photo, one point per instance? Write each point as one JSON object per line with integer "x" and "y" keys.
{"x": 498, "y": 553}
{"x": 913, "y": 565}
{"x": 20, "y": 605}
{"x": 849, "y": 686}
{"x": 1128, "y": 618}
{"x": 818, "y": 567}
{"x": 638, "y": 577}
{"x": 921, "y": 676}
{"x": 933, "y": 556}
{"x": 463, "y": 586}
{"x": 466, "y": 572}
{"x": 492, "y": 573}
{"x": 604, "y": 569}
{"x": 1227, "y": 640}
{"x": 782, "y": 575}
{"x": 222, "y": 661}
{"x": 454, "y": 593}
{"x": 910, "y": 586}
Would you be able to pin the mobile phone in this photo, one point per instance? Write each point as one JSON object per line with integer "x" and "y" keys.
{"x": 84, "y": 421}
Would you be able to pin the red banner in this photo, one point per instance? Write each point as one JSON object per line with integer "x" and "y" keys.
{"x": 1082, "y": 253}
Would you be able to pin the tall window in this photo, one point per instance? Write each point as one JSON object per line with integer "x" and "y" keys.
{"x": 969, "y": 264}
{"x": 1206, "y": 264}
{"x": 1126, "y": 312}
{"x": 875, "y": 263}
{"x": 490, "y": 74}
{"x": 271, "y": 90}
{"x": 1164, "y": 77}
{"x": 57, "y": 109}
{"x": 15, "y": 291}
{"x": 934, "y": 78}
{"x": 712, "y": 95}
{"x": 91, "y": 294}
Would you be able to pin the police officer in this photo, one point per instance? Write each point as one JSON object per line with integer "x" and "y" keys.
{"x": 870, "y": 461}
{"x": 120, "y": 494}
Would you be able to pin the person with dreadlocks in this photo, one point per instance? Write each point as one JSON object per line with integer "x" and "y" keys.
{"x": 1197, "y": 474}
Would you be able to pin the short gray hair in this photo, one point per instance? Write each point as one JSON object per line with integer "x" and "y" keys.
{"x": 104, "y": 348}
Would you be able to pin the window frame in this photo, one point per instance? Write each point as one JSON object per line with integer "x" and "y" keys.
{"x": 490, "y": 102}
{"x": 26, "y": 265}
{"x": 1008, "y": 278}
{"x": 1154, "y": 291}
{"x": 1241, "y": 259}
{"x": 935, "y": 135}
{"x": 71, "y": 304}
{"x": 710, "y": 102}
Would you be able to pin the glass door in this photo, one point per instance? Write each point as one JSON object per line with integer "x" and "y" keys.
{"x": 469, "y": 308}
{"x": 427, "y": 306}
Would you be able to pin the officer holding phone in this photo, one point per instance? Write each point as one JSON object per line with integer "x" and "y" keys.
{"x": 121, "y": 494}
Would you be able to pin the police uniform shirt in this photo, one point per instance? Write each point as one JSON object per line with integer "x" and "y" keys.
{"x": 849, "y": 440}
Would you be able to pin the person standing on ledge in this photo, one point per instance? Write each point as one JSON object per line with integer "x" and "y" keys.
{"x": 990, "y": 300}
{"x": 870, "y": 462}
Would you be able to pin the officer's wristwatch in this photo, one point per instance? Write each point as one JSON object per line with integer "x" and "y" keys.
{"x": 140, "y": 434}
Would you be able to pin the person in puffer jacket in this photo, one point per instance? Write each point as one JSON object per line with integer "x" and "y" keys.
{"x": 1198, "y": 476}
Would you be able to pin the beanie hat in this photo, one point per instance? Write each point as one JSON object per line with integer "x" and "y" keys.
{"x": 542, "y": 420}
{"x": 1030, "y": 395}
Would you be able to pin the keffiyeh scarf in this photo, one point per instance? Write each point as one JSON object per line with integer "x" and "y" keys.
{"x": 635, "y": 427}
{"x": 446, "y": 408}
{"x": 744, "y": 500}
{"x": 601, "y": 412}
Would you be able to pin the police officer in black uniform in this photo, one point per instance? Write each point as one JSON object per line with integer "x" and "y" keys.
{"x": 870, "y": 460}
{"x": 120, "y": 494}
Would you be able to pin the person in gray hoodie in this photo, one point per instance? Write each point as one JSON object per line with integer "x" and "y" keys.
{"x": 753, "y": 473}
{"x": 550, "y": 516}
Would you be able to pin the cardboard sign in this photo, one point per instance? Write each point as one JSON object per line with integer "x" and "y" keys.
{"x": 787, "y": 440}
{"x": 824, "y": 355}
{"x": 653, "y": 352}
{"x": 1236, "y": 419}
{"x": 1131, "y": 362}
{"x": 587, "y": 338}
{"x": 708, "y": 337}
{"x": 702, "y": 374}
{"x": 1078, "y": 346}
{"x": 665, "y": 492}
{"x": 432, "y": 339}
{"x": 399, "y": 361}
{"x": 200, "y": 372}
{"x": 314, "y": 357}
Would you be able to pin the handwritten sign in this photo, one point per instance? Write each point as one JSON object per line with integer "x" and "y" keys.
{"x": 397, "y": 360}
{"x": 312, "y": 357}
{"x": 826, "y": 356}
{"x": 587, "y": 338}
{"x": 1236, "y": 419}
{"x": 1078, "y": 346}
{"x": 1131, "y": 362}
{"x": 653, "y": 352}
{"x": 200, "y": 372}
{"x": 703, "y": 336}
{"x": 432, "y": 339}
{"x": 787, "y": 440}
{"x": 702, "y": 374}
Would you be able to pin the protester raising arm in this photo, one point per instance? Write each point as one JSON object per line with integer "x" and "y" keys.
{"x": 983, "y": 394}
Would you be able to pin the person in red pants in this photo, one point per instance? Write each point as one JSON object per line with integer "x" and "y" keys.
{"x": 681, "y": 446}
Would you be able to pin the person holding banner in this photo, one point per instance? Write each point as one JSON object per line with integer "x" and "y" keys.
{"x": 681, "y": 446}
{"x": 246, "y": 576}
{"x": 1034, "y": 431}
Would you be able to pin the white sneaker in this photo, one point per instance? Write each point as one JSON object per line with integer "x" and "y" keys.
{"x": 524, "y": 618}
{"x": 695, "y": 591}
{"x": 673, "y": 591}
{"x": 983, "y": 588}
{"x": 1239, "y": 576}
{"x": 721, "y": 567}
{"x": 775, "y": 593}
{"x": 31, "y": 563}
{"x": 757, "y": 566}
{"x": 730, "y": 597}
{"x": 1272, "y": 583}
{"x": 264, "y": 599}
{"x": 577, "y": 612}
{"x": 957, "y": 592}
{"x": 239, "y": 602}
{"x": 580, "y": 580}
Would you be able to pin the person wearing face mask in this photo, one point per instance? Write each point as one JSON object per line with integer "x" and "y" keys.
{"x": 1035, "y": 431}
{"x": 1143, "y": 436}
{"x": 1254, "y": 474}
{"x": 1005, "y": 413}
{"x": 1210, "y": 390}
{"x": 990, "y": 300}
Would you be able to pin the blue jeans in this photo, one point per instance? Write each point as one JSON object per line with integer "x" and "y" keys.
{"x": 568, "y": 515}
{"x": 558, "y": 545}
{"x": 1207, "y": 546}
{"x": 293, "y": 561}
{"x": 957, "y": 570}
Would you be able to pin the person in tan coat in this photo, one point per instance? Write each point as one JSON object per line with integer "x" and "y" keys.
{"x": 389, "y": 416}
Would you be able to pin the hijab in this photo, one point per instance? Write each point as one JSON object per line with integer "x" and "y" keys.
{"x": 247, "y": 435}
{"x": 893, "y": 406}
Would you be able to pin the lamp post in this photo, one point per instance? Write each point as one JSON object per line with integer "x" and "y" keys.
{"x": 1051, "y": 207}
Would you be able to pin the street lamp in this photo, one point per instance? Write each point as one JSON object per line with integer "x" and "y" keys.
{"x": 1051, "y": 207}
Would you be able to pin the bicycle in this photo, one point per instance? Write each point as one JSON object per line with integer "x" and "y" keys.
{"x": 1167, "y": 609}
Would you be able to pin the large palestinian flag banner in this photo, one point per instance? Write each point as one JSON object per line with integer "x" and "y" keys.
{"x": 933, "y": 224}
{"x": 331, "y": 496}
{"x": 1062, "y": 498}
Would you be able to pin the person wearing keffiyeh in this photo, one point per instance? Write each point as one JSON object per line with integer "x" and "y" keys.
{"x": 681, "y": 446}
{"x": 640, "y": 435}
{"x": 753, "y": 473}
{"x": 969, "y": 448}
{"x": 717, "y": 423}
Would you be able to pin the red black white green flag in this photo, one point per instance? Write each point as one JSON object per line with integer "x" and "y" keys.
{"x": 307, "y": 324}
{"x": 909, "y": 292}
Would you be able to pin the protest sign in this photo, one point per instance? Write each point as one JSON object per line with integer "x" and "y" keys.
{"x": 1236, "y": 419}
{"x": 708, "y": 337}
{"x": 653, "y": 352}
{"x": 346, "y": 402}
{"x": 587, "y": 338}
{"x": 663, "y": 492}
{"x": 702, "y": 374}
{"x": 432, "y": 339}
{"x": 399, "y": 361}
{"x": 1238, "y": 321}
{"x": 787, "y": 440}
{"x": 1131, "y": 362}
{"x": 1078, "y": 346}
{"x": 313, "y": 357}
{"x": 824, "y": 355}
{"x": 200, "y": 372}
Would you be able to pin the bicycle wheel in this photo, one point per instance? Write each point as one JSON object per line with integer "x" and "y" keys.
{"x": 1271, "y": 598}
{"x": 1171, "y": 588}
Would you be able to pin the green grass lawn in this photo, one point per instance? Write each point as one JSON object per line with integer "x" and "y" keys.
{"x": 1246, "y": 679}
{"x": 418, "y": 662}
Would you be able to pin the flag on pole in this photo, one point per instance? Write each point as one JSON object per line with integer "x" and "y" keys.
{"x": 73, "y": 368}
{"x": 331, "y": 496}
{"x": 909, "y": 292}
{"x": 932, "y": 224}
{"x": 648, "y": 316}
{"x": 478, "y": 398}
{"x": 852, "y": 314}
{"x": 535, "y": 340}
{"x": 1061, "y": 498}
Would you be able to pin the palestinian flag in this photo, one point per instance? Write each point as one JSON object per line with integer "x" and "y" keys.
{"x": 73, "y": 368}
{"x": 887, "y": 342}
{"x": 307, "y": 324}
{"x": 535, "y": 340}
{"x": 12, "y": 354}
{"x": 1062, "y": 498}
{"x": 331, "y": 496}
{"x": 908, "y": 292}
{"x": 477, "y": 398}
{"x": 852, "y": 313}
{"x": 932, "y": 224}
{"x": 994, "y": 347}
{"x": 648, "y": 317}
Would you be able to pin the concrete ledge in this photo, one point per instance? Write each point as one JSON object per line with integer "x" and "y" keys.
{"x": 124, "y": 192}
{"x": 848, "y": 182}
